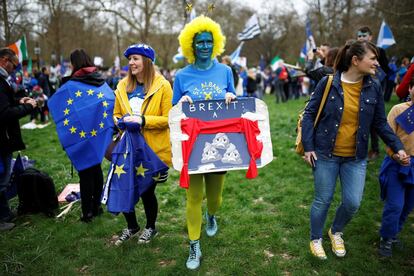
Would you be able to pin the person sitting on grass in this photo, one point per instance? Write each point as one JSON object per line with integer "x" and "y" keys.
{"x": 397, "y": 176}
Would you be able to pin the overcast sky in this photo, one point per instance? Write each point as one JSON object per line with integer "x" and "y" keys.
{"x": 299, "y": 5}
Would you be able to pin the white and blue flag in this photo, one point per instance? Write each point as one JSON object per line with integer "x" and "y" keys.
{"x": 235, "y": 55}
{"x": 251, "y": 29}
{"x": 310, "y": 41}
{"x": 385, "y": 37}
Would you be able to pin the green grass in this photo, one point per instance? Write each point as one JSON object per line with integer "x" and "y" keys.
{"x": 263, "y": 224}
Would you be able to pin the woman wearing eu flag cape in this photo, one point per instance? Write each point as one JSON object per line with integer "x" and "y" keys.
{"x": 144, "y": 98}
{"x": 201, "y": 41}
{"x": 80, "y": 110}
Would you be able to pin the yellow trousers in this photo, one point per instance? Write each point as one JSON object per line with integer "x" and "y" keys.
{"x": 214, "y": 188}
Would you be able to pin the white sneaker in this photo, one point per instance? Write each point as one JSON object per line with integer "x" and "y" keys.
{"x": 126, "y": 235}
{"x": 147, "y": 235}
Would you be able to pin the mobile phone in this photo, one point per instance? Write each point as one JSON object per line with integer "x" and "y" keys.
{"x": 313, "y": 161}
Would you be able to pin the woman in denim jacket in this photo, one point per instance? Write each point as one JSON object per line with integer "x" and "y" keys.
{"x": 338, "y": 145}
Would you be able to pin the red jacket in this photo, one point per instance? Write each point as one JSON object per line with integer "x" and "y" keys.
{"x": 402, "y": 90}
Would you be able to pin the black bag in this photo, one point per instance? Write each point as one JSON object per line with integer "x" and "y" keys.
{"x": 36, "y": 192}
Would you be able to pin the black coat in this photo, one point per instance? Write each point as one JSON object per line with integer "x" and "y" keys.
{"x": 10, "y": 113}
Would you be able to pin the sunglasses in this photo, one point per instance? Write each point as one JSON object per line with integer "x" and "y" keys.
{"x": 14, "y": 64}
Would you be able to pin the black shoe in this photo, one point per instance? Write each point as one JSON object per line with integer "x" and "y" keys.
{"x": 385, "y": 248}
{"x": 87, "y": 218}
{"x": 97, "y": 212}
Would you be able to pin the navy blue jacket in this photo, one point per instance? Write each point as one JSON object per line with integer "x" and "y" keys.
{"x": 371, "y": 113}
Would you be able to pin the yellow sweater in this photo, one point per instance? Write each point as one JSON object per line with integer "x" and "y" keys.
{"x": 345, "y": 143}
{"x": 406, "y": 139}
{"x": 159, "y": 101}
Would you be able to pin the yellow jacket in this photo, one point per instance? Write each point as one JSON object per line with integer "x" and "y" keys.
{"x": 159, "y": 100}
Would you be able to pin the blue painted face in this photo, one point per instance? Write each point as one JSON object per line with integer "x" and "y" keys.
{"x": 203, "y": 45}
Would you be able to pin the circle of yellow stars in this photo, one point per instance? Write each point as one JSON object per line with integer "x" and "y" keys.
{"x": 82, "y": 133}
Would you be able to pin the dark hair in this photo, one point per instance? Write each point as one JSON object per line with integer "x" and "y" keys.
{"x": 80, "y": 59}
{"x": 326, "y": 44}
{"x": 44, "y": 69}
{"x": 365, "y": 29}
{"x": 330, "y": 56}
{"x": 350, "y": 49}
{"x": 7, "y": 52}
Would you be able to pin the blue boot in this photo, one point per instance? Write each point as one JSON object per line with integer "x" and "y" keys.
{"x": 211, "y": 227}
{"x": 194, "y": 258}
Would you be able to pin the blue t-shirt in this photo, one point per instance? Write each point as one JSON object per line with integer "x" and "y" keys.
{"x": 210, "y": 84}
{"x": 136, "y": 98}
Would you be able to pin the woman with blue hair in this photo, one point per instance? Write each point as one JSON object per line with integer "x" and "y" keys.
{"x": 201, "y": 41}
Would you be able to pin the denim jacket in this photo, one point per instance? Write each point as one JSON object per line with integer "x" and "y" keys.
{"x": 371, "y": 114}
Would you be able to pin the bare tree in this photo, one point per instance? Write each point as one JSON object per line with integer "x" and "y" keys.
{"x": 15, "y": 19}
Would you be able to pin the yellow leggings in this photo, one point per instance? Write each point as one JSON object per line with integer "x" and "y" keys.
{"x": 214, "y": 188}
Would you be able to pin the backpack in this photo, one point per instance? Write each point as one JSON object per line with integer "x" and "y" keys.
{"x": 36, "y": 192}
{"x": 298, "y": 144}
{"x": 283, "y": 75}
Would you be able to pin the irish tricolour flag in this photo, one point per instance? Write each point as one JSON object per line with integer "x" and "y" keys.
{"x": 20, "y": 48}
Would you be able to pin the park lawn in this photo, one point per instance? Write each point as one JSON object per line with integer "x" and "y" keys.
{"x": 263, "y": 223}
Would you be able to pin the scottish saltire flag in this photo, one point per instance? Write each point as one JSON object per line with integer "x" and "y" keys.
{"x": 385, "y": 36}
{"x": 406, "y": 120}
{"x": 235, "y": 55}
{"x": 83, "y": 117}
{"x": 134, "y": 169}
{"x": 251, "y": 29}
{"x": 310, "y": 41}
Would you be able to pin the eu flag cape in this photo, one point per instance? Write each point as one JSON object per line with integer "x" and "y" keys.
{"x": 406, "y": 120}
{"x": 83, "y": 117}
{"x": 135, "y": 168}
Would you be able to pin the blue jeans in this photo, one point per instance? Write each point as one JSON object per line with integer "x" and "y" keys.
{"x": 4, "y": 182}
{"x": 351, "y": 172}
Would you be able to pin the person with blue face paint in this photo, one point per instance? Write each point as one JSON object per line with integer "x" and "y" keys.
{"x": 201, "y": 41}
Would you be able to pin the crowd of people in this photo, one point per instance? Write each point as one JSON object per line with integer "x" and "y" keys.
{"x": 357, "y": 77}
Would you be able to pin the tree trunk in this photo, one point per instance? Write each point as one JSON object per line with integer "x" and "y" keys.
{"x": 6, "y": 22}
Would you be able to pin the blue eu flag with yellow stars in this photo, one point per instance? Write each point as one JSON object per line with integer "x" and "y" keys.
{"x": 83, "y": 117}
{"x": 406, "y": 120}
{"x": 134, "y": 169}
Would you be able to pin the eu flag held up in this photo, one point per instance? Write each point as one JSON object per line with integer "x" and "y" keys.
{"x": 83, "y": 117}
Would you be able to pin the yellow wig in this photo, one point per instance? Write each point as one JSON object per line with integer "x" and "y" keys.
{"x": 198, "y": 25}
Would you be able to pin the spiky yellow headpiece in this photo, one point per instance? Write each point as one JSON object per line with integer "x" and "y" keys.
{"x": 198, "y": 25}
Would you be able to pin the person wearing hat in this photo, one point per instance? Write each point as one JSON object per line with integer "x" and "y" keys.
{"x": 144, "y": 97}
{"x": 201, "y": 41}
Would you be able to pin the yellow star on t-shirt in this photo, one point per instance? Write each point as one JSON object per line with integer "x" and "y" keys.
{"x": 82, "y": 134}
{"x": 66, "y": 111}
{"x": 65, "y": 122}
{"x": 78, "y": 93}
{"x": 105, "y": 103}
{"x": 105, "y": 114}
{"x": 69, "y": 101}
{"x": 208, "y": 96}
{"x": 141, "y": 170}
{"x": 101, "y": 125}
{"x": 90, "y": 92}
{"x": 119, "y": 170}
{"x": 100, "y": 95}
{"x": 72, "y": 130}
{"x": 93, "y": 132}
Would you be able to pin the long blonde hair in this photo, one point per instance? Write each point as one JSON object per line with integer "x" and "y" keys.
{"x": 148, "y": 76}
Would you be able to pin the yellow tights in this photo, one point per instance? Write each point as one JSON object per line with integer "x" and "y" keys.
{"x": 214, "y": 187}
